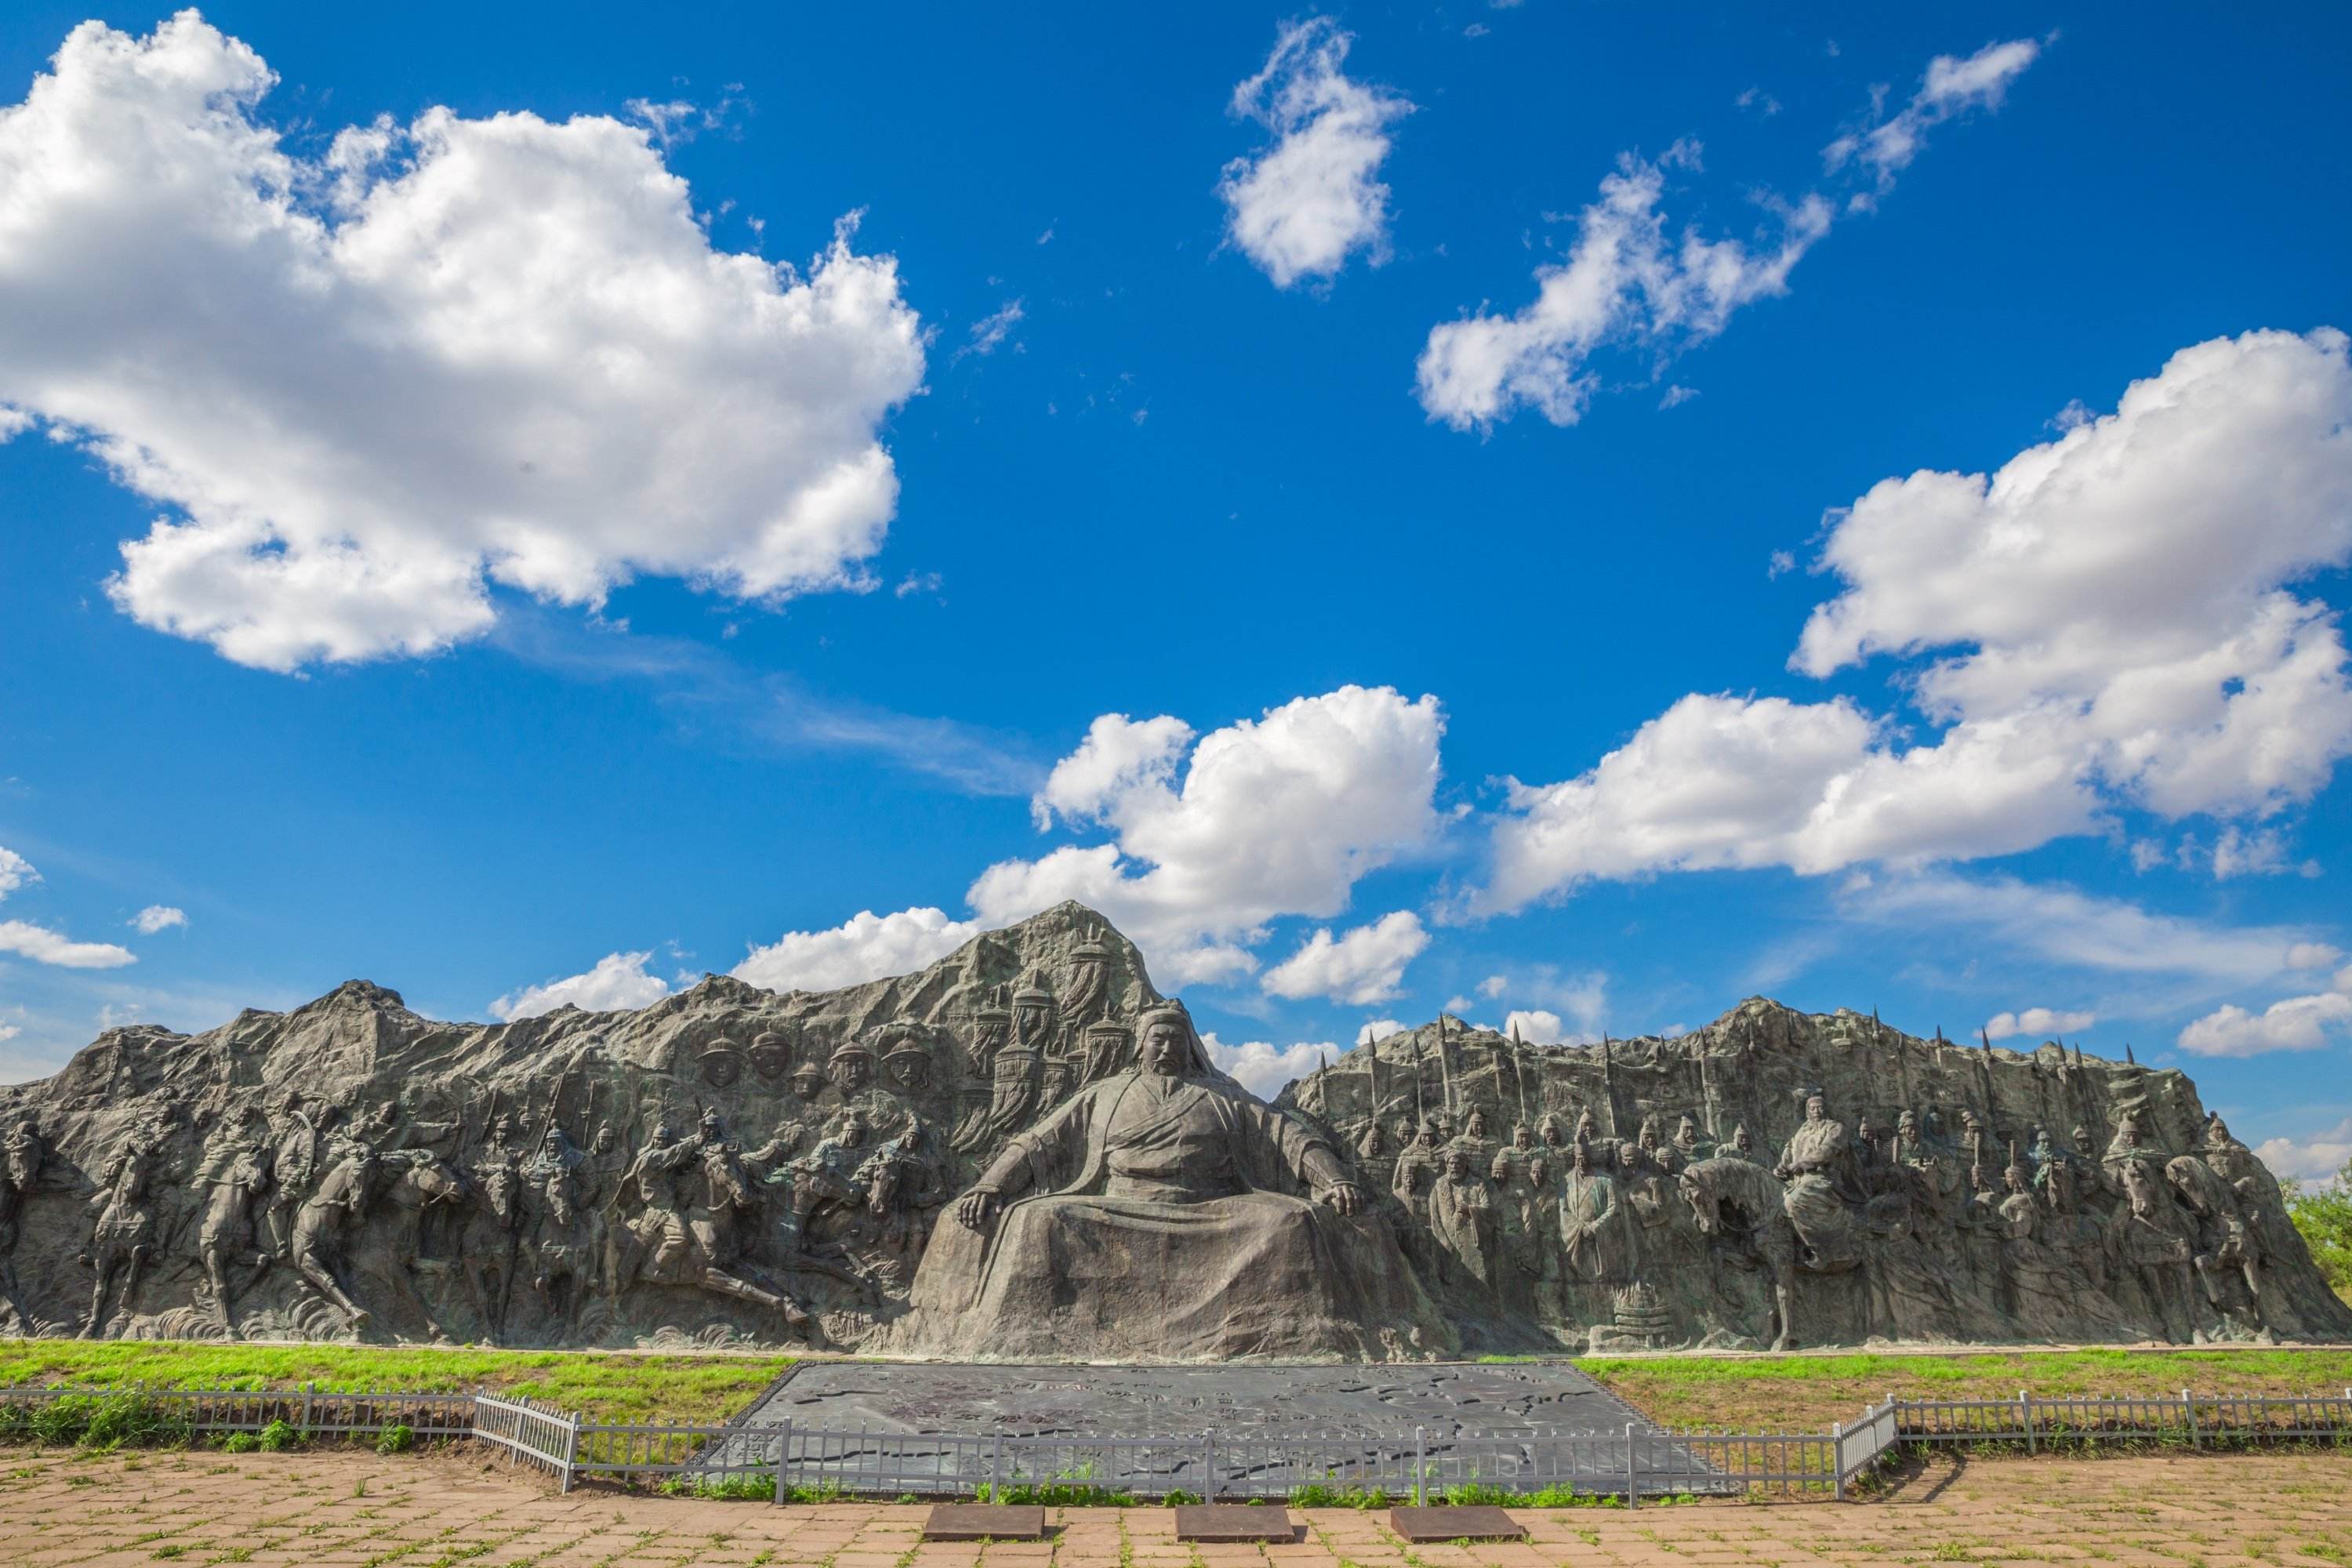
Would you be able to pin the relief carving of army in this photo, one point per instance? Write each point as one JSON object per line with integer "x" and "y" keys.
{"x": 2077, "y": 1201}
{"x": 1023, "y": 1150}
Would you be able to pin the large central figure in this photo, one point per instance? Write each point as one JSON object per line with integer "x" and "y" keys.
{"x": 1159, "y": 1214}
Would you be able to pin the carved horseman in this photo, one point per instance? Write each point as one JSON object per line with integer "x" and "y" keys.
{"x": 725, "y": 1196}
{"x": 555, "y": 1218}
{"x": 827, "y": 1177}
{"x": 1818, "y": 1166}
{"x": 122, "y": 1239}
{"x": 295, "y": 1162}
{"x": 22, "y": 1154}
{"x": 901, "y": 1187}
{"x": 234, "y": 1183}
{"x": 339, "y": 1205}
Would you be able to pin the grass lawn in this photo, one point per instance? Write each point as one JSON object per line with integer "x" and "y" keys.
{"x": 1792, "y": 1393}
{"x": 610, "y": 1386}
{"x": 1806, "y": 1393}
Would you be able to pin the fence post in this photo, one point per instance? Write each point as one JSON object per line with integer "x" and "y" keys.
{"x": 1632, "y": 1476}
{"x": 307, "y": 1390}
{"x": 571, "y": 1450}
{"x": 784, "y": 1462}
{"x": 1419, "y": 1467}
{"x": 1208, "y": 1466}
{"x": 996, "y": 1472}
{"x": 2025, "y": 1418}
{"x": 1837, "y": 1456}
{"x": 2188, "y": 1413}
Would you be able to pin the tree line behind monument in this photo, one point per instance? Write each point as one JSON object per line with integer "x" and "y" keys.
{"x": 1022, "y": 1151}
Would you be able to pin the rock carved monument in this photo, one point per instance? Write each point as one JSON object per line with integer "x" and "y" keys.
{"x": 1023, "y": 1152}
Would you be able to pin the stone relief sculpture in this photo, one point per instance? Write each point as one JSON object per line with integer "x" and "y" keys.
{"x": 1162, "y": 1211}
{"x": 1025, "y": 1151}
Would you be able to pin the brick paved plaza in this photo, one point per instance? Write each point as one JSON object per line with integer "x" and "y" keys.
{"x": 352, "y": 1510}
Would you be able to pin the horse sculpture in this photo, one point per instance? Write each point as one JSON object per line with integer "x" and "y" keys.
{"x": 2225, "y": 1239}
{"x": 1741, "y": 1205}
{"x": 125, "y": 1231}
{"x": 427, "y": 1186}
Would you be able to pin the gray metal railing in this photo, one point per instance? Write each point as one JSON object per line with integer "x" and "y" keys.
{"x": 787, "y": 1462}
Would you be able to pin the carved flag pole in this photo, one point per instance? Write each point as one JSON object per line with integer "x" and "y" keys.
{"x": 1520, "y": 1075}
{"x": 1445, "y": 1066}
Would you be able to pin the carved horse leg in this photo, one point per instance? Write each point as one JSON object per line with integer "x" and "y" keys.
{"x": 105, "y": 1260}
{"x": 314, "y": 1269}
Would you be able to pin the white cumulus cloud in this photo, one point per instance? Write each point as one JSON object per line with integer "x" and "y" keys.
{"x": 157, "y": 917}
{"x": 14, "y": 872}
{"x": 618, "y": 983}
{"x": 2293, "y": 1024}
{"x": 1366, "y": 964}
{"x": 866, "y": 947}
{"x": 2039, "y": 1022}
{"x": 1378, "y": 1029}
{"x": 449, "y": 356}
{"x": 1302, "y": 206}
{"x": 1273, "y": 817}
{"x": 43, "y": 945}
{"x": 1535, "y": 1025}
{"x": 2318, "y": 1158}
{"x": 2087, "y": 647}
{"x": 1264, "y": 1068}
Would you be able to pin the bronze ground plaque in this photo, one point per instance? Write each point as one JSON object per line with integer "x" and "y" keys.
{"x": 985, "y": 1522}
{"x": 1232, "y": 1523}
{"x": 1418, "y": 1525}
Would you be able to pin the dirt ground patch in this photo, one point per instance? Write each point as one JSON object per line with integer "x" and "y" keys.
{"x": 352, "y": 1510}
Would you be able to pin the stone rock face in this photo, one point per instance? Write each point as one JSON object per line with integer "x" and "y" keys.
{"x": 1778, "y": 1178}
{"x": 1018, "y": 1151}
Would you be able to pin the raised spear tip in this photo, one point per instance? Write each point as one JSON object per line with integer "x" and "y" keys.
{"x": 2127, "y": 1055}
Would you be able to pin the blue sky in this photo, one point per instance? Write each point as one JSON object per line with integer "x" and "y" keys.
{"x": 1504, "y": 488}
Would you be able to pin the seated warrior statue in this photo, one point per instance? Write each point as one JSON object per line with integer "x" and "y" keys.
{"x": 1156, "y": 1214}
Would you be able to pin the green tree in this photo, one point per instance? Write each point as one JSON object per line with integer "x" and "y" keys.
{"x": 2324, "y": 1216}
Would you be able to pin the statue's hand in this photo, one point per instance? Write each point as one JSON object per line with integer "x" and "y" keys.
{"x": 1345, "y": 1198}
{"x": 976, "y": 1210}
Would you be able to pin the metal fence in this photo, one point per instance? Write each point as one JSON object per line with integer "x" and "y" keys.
{"x": 786, "y": 1462}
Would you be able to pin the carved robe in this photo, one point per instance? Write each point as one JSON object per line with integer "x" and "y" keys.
{"x": 1161, "y": 1222}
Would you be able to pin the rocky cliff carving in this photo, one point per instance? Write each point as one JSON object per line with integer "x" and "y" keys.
{"x": 1021, "y": 1151}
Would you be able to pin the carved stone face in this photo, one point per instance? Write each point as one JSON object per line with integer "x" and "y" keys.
{"x": 1816, "y": 1107}
{"x": 808, "y": 1082}
{"x": 854, "y": 1073}
{"x": 1906, "y": 1126}
{"x": 771, "y": 1056}
{"x": 1583, "y": 1157}
{"x": 1521, "y": 1138}
{"x": 1457, "y": 1163}
{"x": 722, "y": 1067}
{"x": 909, "y": 1070}
{"x": 604, "y": 1140}
{"x": 1163, "y": 1048}
{"x": 1477, "y": 1126}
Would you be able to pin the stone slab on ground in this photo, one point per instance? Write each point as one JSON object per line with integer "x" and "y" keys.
{"x": 985, "y": 1522}
{"x": 1232, "y": 1524}
{"x": 1419, "y": 1525}
{"x": 1238, "y": 1401}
